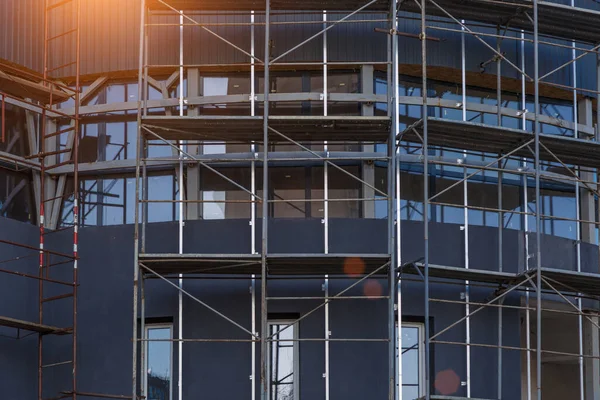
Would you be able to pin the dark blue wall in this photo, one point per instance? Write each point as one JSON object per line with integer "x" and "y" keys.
{"x": 222, "y": 370}
{"x": 18, "y": 299}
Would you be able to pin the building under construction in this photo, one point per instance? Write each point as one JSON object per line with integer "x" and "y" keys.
{"x": 285, "y": 200}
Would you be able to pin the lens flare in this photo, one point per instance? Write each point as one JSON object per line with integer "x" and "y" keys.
{"x": 354, "y": 266}
{"x": 372, "y": 288}
{"x": 447, "y": 382}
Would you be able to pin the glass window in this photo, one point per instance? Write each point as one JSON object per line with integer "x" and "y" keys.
{"x": 103, "y": 202}
{"x": 226, "y": 85}
{"x": 283, "y": 349}
{"x": 337, "y": 82}
{"x": 16, "y": 197}
{"x": 159, "y": 351}
{"x": 15, "y": 137}
{"x": 161, "y": 193}
{"x": 289, "y": 192}
{"x": 221, "y": 198}
{"x": 412, "y": 361}
{"x": 344, "y": 192}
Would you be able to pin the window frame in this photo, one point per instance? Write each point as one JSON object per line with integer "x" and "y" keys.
{"x": 296, "y": 351}
{"x": 147, "y": 328}
{"x": 421, "y": 353}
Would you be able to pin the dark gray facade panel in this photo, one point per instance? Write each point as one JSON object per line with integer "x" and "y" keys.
{"x": 18, "y": 357}
{"x": 110, "y": 41}
{"x": 357, "y": 370}
{"x": 21, "y": 32}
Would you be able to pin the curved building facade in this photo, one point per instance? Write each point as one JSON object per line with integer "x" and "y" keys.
{"x": 299, "y": 200}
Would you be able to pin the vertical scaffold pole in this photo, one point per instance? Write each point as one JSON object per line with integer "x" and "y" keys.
{"x": 395, "y": 153}
{"x": 253, "y": 211}
{"x": 76, "y": 191}
{"x": 391, "y": 191}
{"x": 526, "y": 222}
{"x": 180, "y": 205}
{"x": 467, "y": 286}
{"x": 425, "y": 196}
{"x": 137, "y": 197}
{"x": 500, "y": 213}
{"x": 578, "y": 223}
{"x": 466, "y": 214}
{"x": 264, "y": 348}
{"x": 538, "y": 225}
{"x": 326, "y": 210}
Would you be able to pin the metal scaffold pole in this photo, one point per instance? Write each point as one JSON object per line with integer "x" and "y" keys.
{"x": 253, "y": 379}
{"x": 538, "y": 205}
{"x": 136, "y": 224}
{"x": 326, "y": 373}
{"x": 264, "y": 334}
{"x": 424, "y": 116}
{"x": 393, "y": 328}
{"x": 181, "y": 191}
{"x": 75, "y": 155}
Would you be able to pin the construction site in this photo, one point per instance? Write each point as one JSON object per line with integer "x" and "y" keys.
{"x": 286, "y": 200}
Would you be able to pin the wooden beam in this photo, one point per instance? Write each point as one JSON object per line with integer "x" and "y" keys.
{"x": 19, "y": 70}
{"x": 441, "y": 73}
{"x": 172, "y": 79}
{"x": 28, "y": 106}
{"x": 92, "y": 89}
{"x": 20, "y": 87}
{"x": 55, "y": 211}
{"x": 33, "y": 148}
{"x": 154, "y": 83}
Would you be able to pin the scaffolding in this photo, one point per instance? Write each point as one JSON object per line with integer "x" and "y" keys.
{"x": 39, "y": 97}
{"x": 574, "y": 155}
{"x": 188, "y": 130}
{"x": 184, "y": 130}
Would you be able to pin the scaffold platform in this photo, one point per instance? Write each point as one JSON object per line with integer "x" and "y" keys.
{"x": 248, "y": 129}
{"x": 498, "y": 140}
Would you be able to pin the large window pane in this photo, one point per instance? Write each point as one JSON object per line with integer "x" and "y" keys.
{"x": 221, "y": 198}
{"x": 412, "y": 374}
{"x": 289, "y": 192}
{"x": 158, "y": 368}
{"x": 16, "y": 199}
{"x": 283, "y": 374}
{"x": 162, "y": 189}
